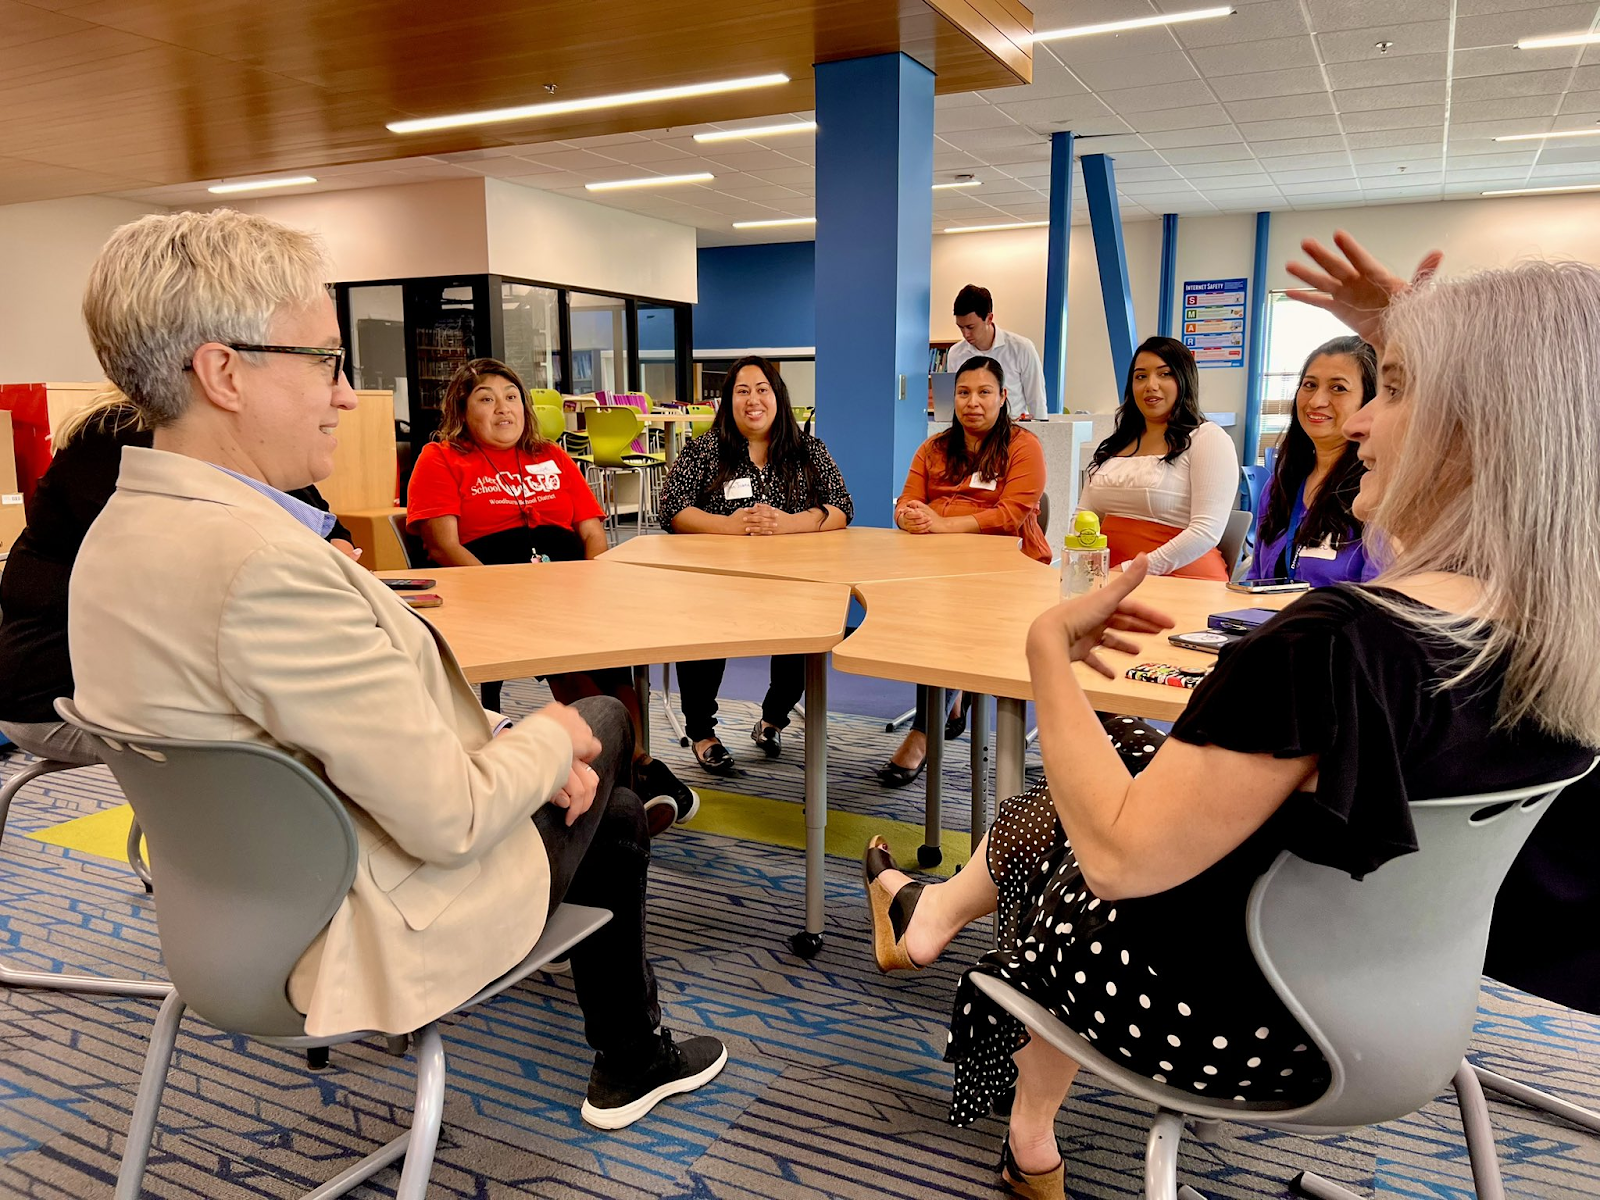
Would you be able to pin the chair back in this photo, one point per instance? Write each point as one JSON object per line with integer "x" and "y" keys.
{"x": 696, "y": 428}
{"x": 640, "y": 403}
{"x": 544, "y": 398}
{"x": 552, "y": 421}
{"x": 252, "y": 854}
{"x": 1044, "y": 512}
{"x": 613, "y": 432}
{"x": 416, "y": 551}
{"x": 1252, "y": 486}
{"x": 805, "y": 414}
{"x": 1383, "y": 972}
{"x": 1232, "y": 544}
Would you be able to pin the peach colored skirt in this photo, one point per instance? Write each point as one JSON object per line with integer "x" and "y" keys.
{"x": 1129, "y": 537}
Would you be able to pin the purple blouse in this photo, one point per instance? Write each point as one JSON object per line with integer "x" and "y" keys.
{"x": 1320, "y": 566}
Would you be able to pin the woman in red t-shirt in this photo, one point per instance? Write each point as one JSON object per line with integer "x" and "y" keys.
{"x": 490, "y": 490}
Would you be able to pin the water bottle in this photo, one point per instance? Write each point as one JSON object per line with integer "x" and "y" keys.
{"x": 1085, "y": 560}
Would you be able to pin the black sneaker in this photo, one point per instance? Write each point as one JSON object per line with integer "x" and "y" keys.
{"x": 667, "y": 799}
{"x": 615, "y": 1100}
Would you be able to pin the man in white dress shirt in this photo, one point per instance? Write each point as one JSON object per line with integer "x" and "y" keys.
{"x": 974, "y": 313}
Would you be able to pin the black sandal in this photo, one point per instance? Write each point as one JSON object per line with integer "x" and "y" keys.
{"x": 893, "y": 775}
{"x": 716, "y": 760}
{"x": 1049, "y": 1186}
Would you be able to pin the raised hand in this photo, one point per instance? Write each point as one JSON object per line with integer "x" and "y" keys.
{"x": 1353, "y": 285}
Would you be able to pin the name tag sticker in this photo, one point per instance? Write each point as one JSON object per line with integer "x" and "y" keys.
{"x": 982, "y": 484}
{"x": 543, "y": 468}
{"x": 1327, "y": 552}
{"x": 11, "y": 498}
{"x": 738, "y": 489}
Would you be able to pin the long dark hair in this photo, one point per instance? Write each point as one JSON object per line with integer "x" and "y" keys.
{"x": 1182, "y": 421}
{"x": 453, "y": 430}
{"x": 993, "y": 455}
{"x": 1330, "y": 514}
{"x": 787, "y": 453}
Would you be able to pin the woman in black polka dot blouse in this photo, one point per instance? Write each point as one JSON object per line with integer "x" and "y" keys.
{"x": 1122, "y": 884}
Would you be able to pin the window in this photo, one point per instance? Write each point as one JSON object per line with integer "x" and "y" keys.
{"x": 532, "y": 325}
{"x": 1294, "y": 330}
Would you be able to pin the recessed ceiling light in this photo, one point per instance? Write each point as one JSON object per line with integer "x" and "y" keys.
{"x": 757, "y": 131}
{"x": 616, "y": 185}
{"x": 223, "y": 189}
{"x": 1559, "y": 39}
{"x": 994, "y": 228}
{"x": 1075, "y": 31}
{"x": 774, "y": 223}
{"x": 554, "y": 108}
{"x": 960, "y": 183}
{"x": 1560, "y": 133}
{"x": 1540, "y": 191}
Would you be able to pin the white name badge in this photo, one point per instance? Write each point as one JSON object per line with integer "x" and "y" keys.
{"x": 982, "y": 484}
{"x": 738, "y": 489}
{"x": 1327, "y": 552}
{"x": 543, "y": 468}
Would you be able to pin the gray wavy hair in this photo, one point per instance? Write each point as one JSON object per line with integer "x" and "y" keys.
{"x": 163, "y": 286}
{"x": 1500, "y": 479}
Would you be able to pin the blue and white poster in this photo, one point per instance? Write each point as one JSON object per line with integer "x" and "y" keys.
{"x": 1213, "y": 321}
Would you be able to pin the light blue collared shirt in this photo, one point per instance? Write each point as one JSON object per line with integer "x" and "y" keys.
{"x": 309, "y": 515}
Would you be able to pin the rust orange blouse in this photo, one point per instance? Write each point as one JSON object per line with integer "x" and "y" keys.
{"x": 1008, "y": 506}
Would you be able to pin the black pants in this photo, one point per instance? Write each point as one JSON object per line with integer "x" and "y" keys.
{"x": 919, "y": 722}
{"x": 519, "y": 545}
{"x": 698, "y": 683}
{"x": 603, "y": 860}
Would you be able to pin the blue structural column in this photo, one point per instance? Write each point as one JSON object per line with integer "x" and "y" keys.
{"x": 1169, "y": 272}
{"x": 1100, "y": 185}
{"x": 1055, "y": 287}
{"x": 1256, "y": 341}
{"x": 874, "y": 250}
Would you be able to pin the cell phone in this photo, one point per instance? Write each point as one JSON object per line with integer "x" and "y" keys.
{"x": 409, "y": 585}
{"x": 1161, "y": 673}
{"x": 1263, "y": 586}
{"x": 424, "y": 600}
{"x": 1208, "y": 640}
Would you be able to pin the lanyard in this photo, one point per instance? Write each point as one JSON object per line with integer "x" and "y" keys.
{"x": 1296, "y": 515}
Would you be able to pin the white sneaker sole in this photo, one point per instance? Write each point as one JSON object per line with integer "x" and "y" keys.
{"x": 618, "y": 1118}
{"x": 694, "y": 808}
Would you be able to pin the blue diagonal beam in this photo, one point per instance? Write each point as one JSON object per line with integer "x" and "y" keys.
{"x": 1055, "y": 288}
{"x": 1100, "y": 185}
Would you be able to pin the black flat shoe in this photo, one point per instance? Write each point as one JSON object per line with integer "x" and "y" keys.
{"x": 893, "y": 775}
{"x": 955, "y": 726}
{"x": 891, "y": 915}
{"x": 769, "y": 740}
{"x": 716, "y": 760}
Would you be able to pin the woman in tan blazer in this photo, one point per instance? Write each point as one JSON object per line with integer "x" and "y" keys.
{"x": 204, "y": 605}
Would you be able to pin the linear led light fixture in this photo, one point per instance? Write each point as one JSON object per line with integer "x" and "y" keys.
{"x": 960, "y": 183}
{"x": 616, "y": 185}
{"x": 1544, "y": 191}
{"x": 1076, "y": 31}
{"x": 757, "y": 131}
{"x": 774, "y": 223}
{"x": 253, "y": 185}
{"x": 1556, "y": 40}
{"x": 1560, "y": 133}
{"x": 556, "y": 108}
{"x": 996, "y": 228}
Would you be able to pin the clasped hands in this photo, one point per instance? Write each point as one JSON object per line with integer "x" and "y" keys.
{"x": 762, "y": 520}
{"x": 577, "y": 794}
{"x": 1085, "y": 625}
{"x": 916, "y": 517}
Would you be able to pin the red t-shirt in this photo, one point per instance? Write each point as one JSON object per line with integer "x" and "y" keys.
{"x": 489, "y": 490}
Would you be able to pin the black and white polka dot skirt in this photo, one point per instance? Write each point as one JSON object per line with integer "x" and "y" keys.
{"x": 1124, "y": 976}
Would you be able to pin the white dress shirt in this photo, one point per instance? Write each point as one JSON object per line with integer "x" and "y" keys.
{"x": 1024, "y": 372}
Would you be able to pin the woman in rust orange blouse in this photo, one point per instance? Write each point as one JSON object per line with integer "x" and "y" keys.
{"x": 984, "y": 474}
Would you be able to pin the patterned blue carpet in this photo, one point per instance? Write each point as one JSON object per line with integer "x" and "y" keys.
{"x": 835, "y": 1085}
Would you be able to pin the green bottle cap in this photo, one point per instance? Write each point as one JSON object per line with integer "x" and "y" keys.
{"x": 1085, "y": 533}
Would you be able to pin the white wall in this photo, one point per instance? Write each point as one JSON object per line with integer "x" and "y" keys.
{"x": 46, "y": 249}
{"x": 557, "y": 239}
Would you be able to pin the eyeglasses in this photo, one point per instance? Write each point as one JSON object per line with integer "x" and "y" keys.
{"x": 334, "y": 353}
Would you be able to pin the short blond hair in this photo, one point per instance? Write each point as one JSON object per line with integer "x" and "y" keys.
{"x": 163, "y": 286}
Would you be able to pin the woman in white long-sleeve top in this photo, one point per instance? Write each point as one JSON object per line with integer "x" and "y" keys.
{"x": 1165, "y": 480}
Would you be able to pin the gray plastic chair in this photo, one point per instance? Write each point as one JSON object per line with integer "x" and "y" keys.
{"x": 101, "y": 985}
{"x": 1232, "y": 543}
{"x": 255, "y": 854}
{"x": 1382, "y": 973}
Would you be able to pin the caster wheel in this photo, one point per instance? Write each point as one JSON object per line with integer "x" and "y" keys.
{"x": 149, "y": 889}
{"x": 683, "y": 741}
{"x": 1001, "y": 1106}
{"x": 929, "y": 856}
{"x": 317, "y": 1058}
{"x": 806, "y": 945}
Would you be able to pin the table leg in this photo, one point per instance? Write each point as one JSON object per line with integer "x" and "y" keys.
{"x": 809, "y": 941}
{"x": 931, "y": 852}
{"x": 980, "y": 768}
{"x": 1010, "y": 732}
{"x": 641, "y": 688}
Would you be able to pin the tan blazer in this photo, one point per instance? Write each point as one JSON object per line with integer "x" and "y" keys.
{"x": 201, "y": 609}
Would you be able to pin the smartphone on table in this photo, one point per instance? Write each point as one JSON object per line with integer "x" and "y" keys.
{"x": 409, "y": 585}
{"x": 1267, "y": 586}
{"x": 424, "y": 600}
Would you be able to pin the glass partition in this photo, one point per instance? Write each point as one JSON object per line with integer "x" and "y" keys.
{"x": 532, "y": 324}
{"x": 658, "y": 351}
{"x": 599, "y": 343}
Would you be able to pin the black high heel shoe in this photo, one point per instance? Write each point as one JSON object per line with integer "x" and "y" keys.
{"x": 955, "y": 726}
{"x": 893, "y": 775}
{"x": 891, "y": 915}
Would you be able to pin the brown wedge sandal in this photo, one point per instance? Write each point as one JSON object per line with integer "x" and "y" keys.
{"x": 891, "y": 915}
{"x": 1051, "y": 1186}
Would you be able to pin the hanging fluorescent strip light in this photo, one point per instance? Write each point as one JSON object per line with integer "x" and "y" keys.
{"x": 616, "y": 185}
{"x": 1077, "y": 31}
{"x": 556, "y": 108}
{"x": 960, "y": 183}
{"x": 774, "y": 224}
{"x": 223, "y": 189}
{"x": 1544, "y": 191}
{"x": 1560, "y": 133}
{"x": 757, "y": 131}
{"x": 996, "y": 228}
{"x": 1557, "y": 40}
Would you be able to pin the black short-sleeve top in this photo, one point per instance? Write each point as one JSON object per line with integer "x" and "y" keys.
{"x": 696, "y": 481}
{"x": 1341, "y": 677}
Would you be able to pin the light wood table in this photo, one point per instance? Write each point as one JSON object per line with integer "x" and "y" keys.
{"x": 511, "y": 622}
{"x": 970, "y": 632}
{"x": 850, "y": 556}
{"x": 676, "y": 423}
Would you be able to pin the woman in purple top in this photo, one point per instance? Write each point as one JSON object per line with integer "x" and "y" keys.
{"x": 1306, "y": 528}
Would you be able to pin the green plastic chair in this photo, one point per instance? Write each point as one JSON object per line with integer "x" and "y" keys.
{"x": 552, "y": 421}
{"x": 803, "y": 413}
{"x": 544, "y": 398}
{"x": 612, "y": 432}
{"x": 696, "y": 428}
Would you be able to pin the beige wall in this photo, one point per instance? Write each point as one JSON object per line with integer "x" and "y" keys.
{"x": 46, "y": 249}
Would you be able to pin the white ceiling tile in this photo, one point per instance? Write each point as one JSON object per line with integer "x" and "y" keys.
{"x": 1283, "y": 147}
{"x": 1325, "y": 200}
{"x": 1180, "y": 155}
{"x": 1216, "y": 135}
{"x": 1297, "y": 127}
{"x": 1247, "y": 57}
{"x": 1308, "y": 104}
{"x": 1385, "y": 137}
{"x": 1478, "y": 8}
{"x": 797, "y": 177}
{"x": 979, "y": 116}
{"x": 1385, "y": 70}
{"x": 1329, "y": 16}
{"x": 1453, "y": 175}
{"x": 1139, "y": 158}
{"x": 1257, "y": 23}
{"x": 985, "y": 142}
{"x": 1361, "y": 45}
{"x": 960, "y": 100}
{"x": 1141, "y": 190}
{"x": 647, "y": 152}
{"x": 1125, "y": 100}
{"x": 1247, "y": 169}
{"x": 1505, "y": 28}
{"x": 737, "y": 156}
{"x": 1193, "y": 116}
{"x": 1483, "y": 130}
{"x": 563, "y": 160}
{"x": 1429, "y": 116}
{"x": 1136, "y": 43}
{"x": 1509, "y": 160}
{"x": 1306, "y": 162}
{"x": 1579, "y": 104}
{"x": 1299, "y": 190}
{"x": 1086, "y": 111}
{"x": 1414, "y": 154}
{"x": 1246, "y": 198}
{"x": 1261, "y": 85}
{"x": 1517, "y": 83}
{"x": 757, "y": 190}
{"x": 1398, "y": 95}
{"x": 952, "y": 159}
{"x": 1541, "y": 107}
{"x": 1119, "y": 145}
{"x": 1508, "y": 60}
{"x": 1565, "y": 155}
{"x": 1587, "y": 78}
{"x": 1314, "y": 175}
{"x": 1170, "y": 69}
{"x": 1144, "y": 174}
{"x": 1375, "y": 175}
